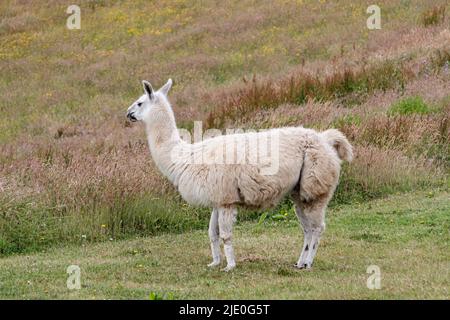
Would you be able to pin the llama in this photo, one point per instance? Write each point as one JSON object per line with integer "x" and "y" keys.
{"x": 308, "y": 168}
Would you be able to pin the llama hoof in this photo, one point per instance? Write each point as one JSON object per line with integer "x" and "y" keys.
{"x": 213, "y": 264}
{"x": 302, "y": 265}
{"x": 229, "y": 268}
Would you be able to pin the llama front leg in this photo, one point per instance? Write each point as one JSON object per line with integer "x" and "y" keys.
{"x": 214, "y": 238}
{"x": 227, "y": 217}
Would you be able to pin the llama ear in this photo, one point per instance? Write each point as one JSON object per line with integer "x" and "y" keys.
{"x": 165, "y": 88}
{"x": 148, "y": 88}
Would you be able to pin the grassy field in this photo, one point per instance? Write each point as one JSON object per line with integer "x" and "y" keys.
{"x": 74, "y": 172}
{"x": 407, "y": 236}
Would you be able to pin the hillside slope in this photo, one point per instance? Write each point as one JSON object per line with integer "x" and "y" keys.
{"x": 74, "y": 171}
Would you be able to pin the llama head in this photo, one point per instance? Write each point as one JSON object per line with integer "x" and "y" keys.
{"x": 151, "y": 99}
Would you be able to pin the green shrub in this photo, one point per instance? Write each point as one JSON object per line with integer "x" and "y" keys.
{"x": 410, "y": 105}
{"x": 160, "y": 296}
{"x": 347, "y": 120}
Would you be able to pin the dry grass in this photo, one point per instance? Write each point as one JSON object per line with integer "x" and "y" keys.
{"x": 348, "y": 86}
{"x": 433, "y": 16}
{"x": 300, "y": 87}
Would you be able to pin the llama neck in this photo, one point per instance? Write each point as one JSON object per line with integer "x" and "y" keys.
{"x": 163, "y": 136}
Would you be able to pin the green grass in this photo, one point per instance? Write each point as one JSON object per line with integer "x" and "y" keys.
{"x": 407, "y": 236}
{"x": 25, "y": 227}
{"x": 347, "y": 120}
{"x": 410, "y": 105}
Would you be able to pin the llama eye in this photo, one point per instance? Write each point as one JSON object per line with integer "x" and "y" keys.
{"x": 139, "y": 104}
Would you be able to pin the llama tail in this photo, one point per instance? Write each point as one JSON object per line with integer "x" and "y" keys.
{"x": 337, "y": 140}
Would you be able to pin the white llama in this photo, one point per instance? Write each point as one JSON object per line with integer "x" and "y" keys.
{"x": 308, "y": 166}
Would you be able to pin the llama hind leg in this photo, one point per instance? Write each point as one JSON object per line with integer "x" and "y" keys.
{"x": 312, "y": 217}
{"x": 316, "y": 233}
{"x": 214, "y": 238}
{"x": 227, "y": 217}
{"x": 306, "y": 236}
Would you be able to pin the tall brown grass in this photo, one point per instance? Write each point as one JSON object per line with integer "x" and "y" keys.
{"x": 433, "y": 16}
{"x": 300, "y": 87}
